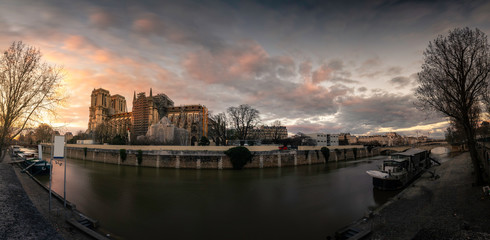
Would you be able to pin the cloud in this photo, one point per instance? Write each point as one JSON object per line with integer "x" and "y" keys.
{"x": 321, "y": 74}
{"x": 177, "y": 32}
{"x": 222, "y": 54}
{"x": 394, "y": 71}
{"x": 148, "y": 24}
{"x": 370, "y": 67}
{"x": 400, "y": 82}
{"x": 383, "y": 110}
{"x": 480, "y": 13}
{"x": 76, "y": 43}
{"x": 263, "y": 81}
{"x": 102, "y": 19}
{"x": 305, "y": 68}
{"x": 332, "y": 72}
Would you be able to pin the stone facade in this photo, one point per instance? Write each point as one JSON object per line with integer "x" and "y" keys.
{"x": 270, "y": 132}
{"x": 193, "y": 118}
{"x": 110, "y": 110}
{"x": 119, "y": 124}
{"x": 166, "y": 133}
{"x": 99, "y": 108}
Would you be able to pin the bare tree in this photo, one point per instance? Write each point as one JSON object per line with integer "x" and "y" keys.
{"x": 43, "y": 133}
{"x": 102, "y": 133}
{"x": 28, "y": 87}
{"x": 454, "y": 81}
{"x": 276, "y": 131}
{"x": 243, "y": 118}
{"x": 218, "y": 127}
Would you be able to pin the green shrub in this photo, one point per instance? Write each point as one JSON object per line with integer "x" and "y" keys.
{"x": 326, "y": 153}
{"x": 85, "y": 151}
{"x": 123, "y": 154}
{"x": 204, "y": 141}
{"x": 118, "y": 140}
{"x": 139, "y": 156}
{"x": 239, "y": 156}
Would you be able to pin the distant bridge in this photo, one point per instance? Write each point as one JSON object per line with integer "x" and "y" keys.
{"x": 426, "y": 146}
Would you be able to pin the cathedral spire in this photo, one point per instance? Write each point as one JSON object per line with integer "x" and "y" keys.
{"x": 150, "y": 93}
{"x": 134, "y": 97}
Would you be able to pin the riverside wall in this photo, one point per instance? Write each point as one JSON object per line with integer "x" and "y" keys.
{"x": 484, "y": 155}
{"x": 209, "y": 158}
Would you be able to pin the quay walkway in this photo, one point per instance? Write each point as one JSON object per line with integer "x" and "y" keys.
{"x": 19, "y": 218}
{"x": 448, "y": 207}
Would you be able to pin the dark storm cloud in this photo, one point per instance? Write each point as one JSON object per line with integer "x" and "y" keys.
{"x": 261, "y": 80}
{"x": 384, "y": 110}
{"x": 400, "y": 82}
{"x": 362, "y": 89}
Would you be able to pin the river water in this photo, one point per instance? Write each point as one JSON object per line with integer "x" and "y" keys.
{"x": 303, "y": 202}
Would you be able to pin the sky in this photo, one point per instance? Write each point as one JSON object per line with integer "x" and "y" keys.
{"x": 317, "y": 66}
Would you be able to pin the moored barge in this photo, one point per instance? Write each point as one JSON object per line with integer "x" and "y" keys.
{"x": 400, "y": 169}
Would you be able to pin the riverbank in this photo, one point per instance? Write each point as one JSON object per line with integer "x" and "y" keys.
{"x": 29, "y": 204}
{"x": 20, "y": 218}
{"x": 448, "y": 207}
{"x": 210, "y": 157}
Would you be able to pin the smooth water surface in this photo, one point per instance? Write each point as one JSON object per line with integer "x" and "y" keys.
{"x": 304, "y": 202}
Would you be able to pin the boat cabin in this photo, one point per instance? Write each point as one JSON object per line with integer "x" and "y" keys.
{"x": 418, "y": 158}
{"x": 395, "y": 165}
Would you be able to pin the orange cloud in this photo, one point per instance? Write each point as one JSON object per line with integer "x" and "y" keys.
{"x": 322, "y": 74}
{"x": 76, "y": 43}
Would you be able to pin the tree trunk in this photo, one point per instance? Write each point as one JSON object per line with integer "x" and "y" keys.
{"x": 470, "y": 137}
{"x": 2, "y": 153}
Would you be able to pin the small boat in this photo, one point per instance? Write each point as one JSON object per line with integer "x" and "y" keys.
{"x": 400, "y": 169}
{"x": 32, "y": 163}
{"x": 36, "y": 166}
{"x": 14, "y": 150}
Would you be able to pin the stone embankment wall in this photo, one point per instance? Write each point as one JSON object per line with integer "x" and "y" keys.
{"x": 203, "y": 159}
{"x": 484, "y": 155}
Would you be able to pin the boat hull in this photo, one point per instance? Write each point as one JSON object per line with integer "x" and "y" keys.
{"x": 387, "y": 184}
{"x": 39, "y": 167}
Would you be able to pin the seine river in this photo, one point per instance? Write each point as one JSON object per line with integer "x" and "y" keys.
{"x": 304, "y": 202}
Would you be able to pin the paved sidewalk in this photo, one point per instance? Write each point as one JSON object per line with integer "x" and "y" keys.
{"x": 445, "y": 208}
{"x": 19, "y": 218}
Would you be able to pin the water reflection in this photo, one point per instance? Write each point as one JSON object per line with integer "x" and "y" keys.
{"x": 380, "y": 197}
{"x": 304, "y": 202}
{"x": 441, "y": 154}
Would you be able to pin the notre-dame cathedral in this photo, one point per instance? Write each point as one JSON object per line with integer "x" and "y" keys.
{"x": 111, "y": 112}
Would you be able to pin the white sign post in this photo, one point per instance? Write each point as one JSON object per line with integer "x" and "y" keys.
{"x": 59, "y": 153}
{"x": 40, "y": 154}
